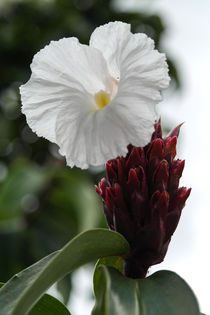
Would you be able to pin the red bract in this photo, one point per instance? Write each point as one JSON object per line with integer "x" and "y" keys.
{"x": 142, "y": 200}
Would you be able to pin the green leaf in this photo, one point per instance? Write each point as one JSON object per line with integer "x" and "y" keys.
{"x": 1, "y": 284}
{"x": 113, "y": 261}
{"x": 64, "y": 288}
{"x": 114, "y": 293}
{"x": 162, "y": 293}
{"x": 24, "y": 289}
{"x": 49, "y": 305}
{"x": 168, "y": 293}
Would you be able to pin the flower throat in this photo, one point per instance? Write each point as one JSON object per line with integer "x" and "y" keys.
{"x": 102, "y": 99}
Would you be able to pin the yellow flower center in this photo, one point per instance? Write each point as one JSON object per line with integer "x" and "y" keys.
{"x": 102, "y": 99}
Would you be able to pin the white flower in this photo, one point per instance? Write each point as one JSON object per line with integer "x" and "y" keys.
{"x": 95, "y": 100}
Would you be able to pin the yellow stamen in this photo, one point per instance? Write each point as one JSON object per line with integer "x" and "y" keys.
{"x": 102, "y": 99}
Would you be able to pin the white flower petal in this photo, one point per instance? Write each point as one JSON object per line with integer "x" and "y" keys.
{"x": 142, "y": 73}
{"x": 132, "y": 57}
{"x": 60, "y": 72}
{"x": 111, "y": 39}
{"x": 67, "y": 97}
{"x": 93, "y": 137}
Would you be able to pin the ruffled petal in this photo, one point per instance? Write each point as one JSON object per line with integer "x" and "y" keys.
{"x": 135, "y": 117}
{"x": 94, "y": 137}
{"x": 67, "y": 97}
{"x": 60, "y": 72}
{"x": 132, "y": 57}
{"x": 142, "y": 73}
{"x": 111, "y": 40}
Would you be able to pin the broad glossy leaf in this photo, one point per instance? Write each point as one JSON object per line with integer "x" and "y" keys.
{"x": 165, "y": 293}
{"x": 64, "y": 288}
{"x": 114, "y": 293}
{"x": 113, "y": 261}
{"x": 162, "y": 293}
{"x": 23, "y": 290}
{"x": 48, "y": 305}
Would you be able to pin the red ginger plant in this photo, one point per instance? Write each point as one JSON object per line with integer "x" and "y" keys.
{"x": 142, "y": 200}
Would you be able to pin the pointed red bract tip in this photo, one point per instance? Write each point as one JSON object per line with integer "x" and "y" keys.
{"x": 174, "y": 132}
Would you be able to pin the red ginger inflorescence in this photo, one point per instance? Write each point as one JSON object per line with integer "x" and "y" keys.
{"x": 142, "y": 200}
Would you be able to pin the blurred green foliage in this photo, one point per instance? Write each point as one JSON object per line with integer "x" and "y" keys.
{"x": 43, "y": 203}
